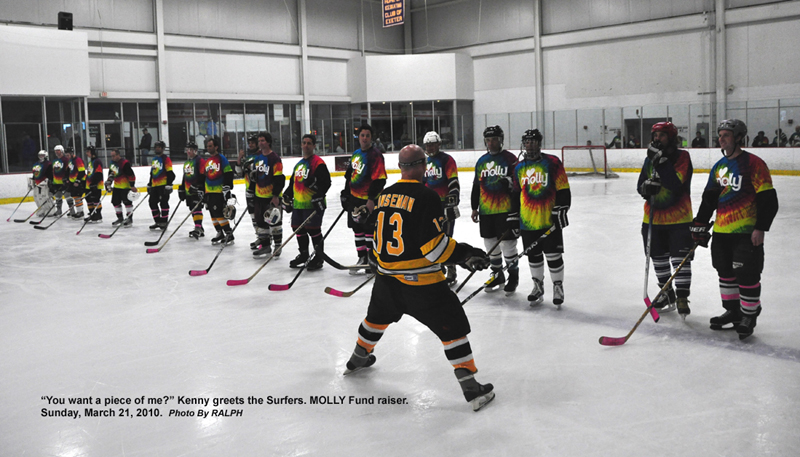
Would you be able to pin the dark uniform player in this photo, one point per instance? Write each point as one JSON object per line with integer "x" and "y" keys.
{"x": 121, "y": 175}
{"x": 244, "y": 168}
{"x": 491, "y": 206}
{"x": 268, "y": 180}
{"x": 441, "y": 176}
{"x": 193, "y": 188}
{"x": 94, "y": 185}
{"x": 665, "y": 182}
{"x": 308, "y": 184}
{"x": 60, "y": 177}
{"x": 75, "y": 184}
{"x": 740, "y": 190}
{"x": 219, "y": 182}
{"x": 542, "y": 199}
{"x": 364, "y": 180}
{"x": 42, "y": 174}
{"x": 159, "y": 188}
{"x": 410, "y": 246}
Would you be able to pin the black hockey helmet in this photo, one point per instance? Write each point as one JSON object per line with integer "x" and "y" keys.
{"x": 160, "y": 143}
{"x": 252, "y": 139}
{"x": 493, "y": 130}
{"x": 534, "y": 135}
{"x": 191, "y": 145}
{"x": 92, "y": 150}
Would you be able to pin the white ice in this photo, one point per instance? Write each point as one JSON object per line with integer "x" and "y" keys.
{"x": 88, "y": 317}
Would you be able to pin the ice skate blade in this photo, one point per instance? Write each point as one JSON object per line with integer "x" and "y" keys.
{"x": 536, "y": 302}
{"x": 483, "y": 400}
{"x": 491, "y": 289}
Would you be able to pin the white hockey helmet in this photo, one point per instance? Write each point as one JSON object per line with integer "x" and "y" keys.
{"x": 42, "y": 154}
{"x": 431, "y": 137}
{"x": 273, "y": 216}
{"x": 59, "y": 148}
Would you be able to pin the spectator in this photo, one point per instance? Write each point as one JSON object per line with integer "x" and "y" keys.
{"x": 794, "y": 140}
{"x": 699, "y": 141}
{"x": 761, "y": 140}
{"x": 633, "y": 142}
{"x": 616, "y": 142}
{"x": 144, "y": 145}
{"x": 780, "y": 139}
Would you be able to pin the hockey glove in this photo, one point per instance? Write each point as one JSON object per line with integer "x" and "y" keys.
{"x": 226, "y": 193}
{"x": 476, "y": 260}
{"x": 319, "y": 204}
{"x": 181, "y": 194}
{"x": 30, "y": 184}
{"x": 656, "y": 154}
{"x": 344, "y": 197}
{"x": 167, "y": 190}
{"x": 700, "y": 232}
{"x": 451, "y": 211}
{"x": 287, "y": 203}
{"x": 649, "y": 188}
{"x": 360, "y": 214}
{"x": 512, "y": 224}
{"x": 107, "y": 185}
{"x": 558, "y": 216}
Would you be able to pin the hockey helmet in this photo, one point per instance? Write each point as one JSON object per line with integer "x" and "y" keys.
{"x": 252, "y": 139}
{"x": 160, "y": 144}
{"x": 133, "y": 195}
{"x": 493, "y": 130}
{"x": 736, "y": 126}
{"x": 273, "y": 216}
{"x": 42, "y": 154}
{"x": 534, "y": 135}
{"x": 59, "y": 148}
{"x": 91, "y": 149}
{"x": 666, "y": 127}
{"x": 191, "y": 145}
{"x": 431, "y": 137}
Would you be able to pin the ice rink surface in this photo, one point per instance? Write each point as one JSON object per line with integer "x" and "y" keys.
{"x": 82, "y": 316}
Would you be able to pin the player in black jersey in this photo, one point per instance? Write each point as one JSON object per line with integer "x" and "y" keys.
{"x": 94, "y": 186}
{"x": 193, "y": 188}
{"x": 410, "y": 246}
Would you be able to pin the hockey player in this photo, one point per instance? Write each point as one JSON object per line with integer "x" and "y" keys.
{"x": 60, "y": 177}
{"x": 193, "y": 188}
{"x": 218, "y": 182}
{"x": 42, "y": 174}
{"x": 244, "y": 169}
{"x": 491, "y": 207}
{"x": 120, "y": 174}
{"x": 268, "y": 180}
{"x": 441, "y": 176}
{"x": 305, "y": 194}
{"x": 365, "y": 178}
{"x": 740, "y": 190}
{"x": 665, "y": 182}
{"x": 409, "y": 249}
{"x": 159, "y": 188}
{"x": 542, "y": 199}
{"x": 94, "y": 183}
{"x": 75, "y": 184}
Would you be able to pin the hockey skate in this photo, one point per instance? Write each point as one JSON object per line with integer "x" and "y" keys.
{"x": 683, "y": 307}
{"x": 77, "y": 216}
{"x": 128, "y": 222}
{"x": 117, "y": 222}
{"x": 730, "y": 316}
{"x": 665, "y": 303}
{"x": 197, "y": 233}
{"x": 219, "y": 238}
{"x": 254, "y": 245}
{"x": 537, "y": 294}
{"x": 362, "y": 261}
{"x": 478, "y": 395}
{"x": 747, "y": 324}
{"x": 299, "y": 261}
{"x": 359, "y": 360}
{"x": 558, "y": 293}
{"x": 497, "y": 280}
{"x": 277, "y": 249}
{"x": 513, "y": 282}
{"x": 315, "y": 262}
{"x": 229, "y": 239}
{"x": 263, "y": 250}
{"x": 156, "y": 226}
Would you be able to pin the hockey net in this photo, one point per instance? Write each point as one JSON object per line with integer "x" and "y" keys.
{"x": 586, "y": 161}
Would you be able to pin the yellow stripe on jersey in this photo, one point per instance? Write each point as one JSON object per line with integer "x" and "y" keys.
{"x": 439, "y": 249}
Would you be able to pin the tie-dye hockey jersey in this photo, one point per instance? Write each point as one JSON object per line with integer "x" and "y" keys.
{"x": 94, "y": 173}
{"x": 41, "y": 171}
{"x": 193, "y": 170}
{"x": 216, "y": 167}
{"x": 77, "y": 170}
{"x": 673, "y": 203}
{"x": 441, "y": 174}
{"x": 491, "y": 188}
{"x": 365, "y": 168}
{"x": 268, "y": 168}
{"x": 122, "y": 173}
{"x": 738, "y": 181}
{"x": 59, "y": 171}
{"x": 161, "y": 173}
{"x": 537, "y": 182}
{"x": 308, "y": 172}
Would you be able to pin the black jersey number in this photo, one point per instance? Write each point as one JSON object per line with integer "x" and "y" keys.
{"x": 395, "y": 246}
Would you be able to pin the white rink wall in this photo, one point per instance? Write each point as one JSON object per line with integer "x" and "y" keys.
{"x": 783, "y": 160}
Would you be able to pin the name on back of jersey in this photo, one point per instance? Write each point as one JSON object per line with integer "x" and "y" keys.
{"x": 398, "y": 201}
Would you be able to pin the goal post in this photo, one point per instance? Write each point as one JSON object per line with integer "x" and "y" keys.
{"x": 586, "y": 161}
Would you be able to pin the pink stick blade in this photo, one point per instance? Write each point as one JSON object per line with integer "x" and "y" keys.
{"x": 609, "y": 341}
{"x": 237, "y": 282}
{"x": 198, "y": 272}
{"x": 334, "y": 292}
{"x": 78, "y": 232}
{"x": 653, "y": 311}
{"x": 104, "y": 235}
{"x": 152, "y": 250}
{"x": 275, "y": 287}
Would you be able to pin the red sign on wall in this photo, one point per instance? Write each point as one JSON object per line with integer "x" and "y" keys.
{"x": 394, "y": 12}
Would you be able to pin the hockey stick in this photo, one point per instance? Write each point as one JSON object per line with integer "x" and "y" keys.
{"x": 205, "y": 272}
{"x": 53, "y": 199}
{"x": 339, "y": 293}
{"x": 155, "y": 243}
{"x": 151, "y": 251}
{"x": 45, "y": 227}
{"x": 339, "y": 266}
{"x": 619, "y": 341}
{"x": 276, "y": 287}
{"x": 516, "y": 258}
{"x": 653, "y": 311}
{"x": 488, "y": 253}
{"x": 20, "y": 204}
{"x": 101, "y": 235}
{"x": 240, "y": 282}
{"x": 49, "y": 199}
{"x": 91, "y": 214}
